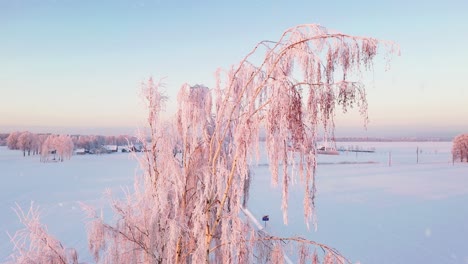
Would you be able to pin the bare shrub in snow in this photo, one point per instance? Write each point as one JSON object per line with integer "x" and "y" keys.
{"x": 187, "y": 204}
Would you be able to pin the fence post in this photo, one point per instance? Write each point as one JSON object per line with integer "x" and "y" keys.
{"x": 417, "y": 154}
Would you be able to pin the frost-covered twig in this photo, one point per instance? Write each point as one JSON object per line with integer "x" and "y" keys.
{"x": 33, "y": 243}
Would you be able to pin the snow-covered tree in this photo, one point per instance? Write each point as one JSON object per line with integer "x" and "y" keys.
{"x": 123, "y": 140}
{"x": 188, "y": 204}
{"x": 48, "y": 148}
{"x": 460, "y": 148}
{"x": 12, "y": 140}
{"x": 64, "y": 146}
{"x": 40, "y": 139}
{"x": 26, "y": 142}
{"x": 83, "y": 141}
{"x": 111, "y": 140}
{"x": 100, "y": 140}
{"x": 57, "y": 145}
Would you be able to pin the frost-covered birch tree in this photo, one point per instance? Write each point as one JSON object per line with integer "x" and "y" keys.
{"x": 460, "y": 148}
{"x": 64, "y": 146}
{"x": 12, "y": 140}
{"x": 60, "y": 145}
{"x": 26, "y": 142}
{"x": 187, "y": 203}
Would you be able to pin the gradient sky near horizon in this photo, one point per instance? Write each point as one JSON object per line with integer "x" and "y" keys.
{"x": 76, "y": 66}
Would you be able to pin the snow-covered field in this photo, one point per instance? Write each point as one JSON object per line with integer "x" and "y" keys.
{"x": 370, "y": 211}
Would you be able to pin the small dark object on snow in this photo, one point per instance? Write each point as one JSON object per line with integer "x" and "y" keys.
{"x": 265, "y": 218}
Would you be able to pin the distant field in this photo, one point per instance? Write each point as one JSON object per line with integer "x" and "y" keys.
{"x": 370, "y": 211}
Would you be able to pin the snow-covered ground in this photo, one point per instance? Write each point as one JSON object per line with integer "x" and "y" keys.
{"x": 370, "y": 211}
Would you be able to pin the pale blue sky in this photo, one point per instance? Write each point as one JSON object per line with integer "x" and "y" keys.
{"x": 78, "y": 64}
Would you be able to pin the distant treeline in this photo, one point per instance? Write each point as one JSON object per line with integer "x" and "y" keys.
{"x": 50, "y": 145}
{"x": 88, "y": 141}
{"x": 3, "y": 137}
{"x": 84, "y": 141}
{"x": 396, "y": 139}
